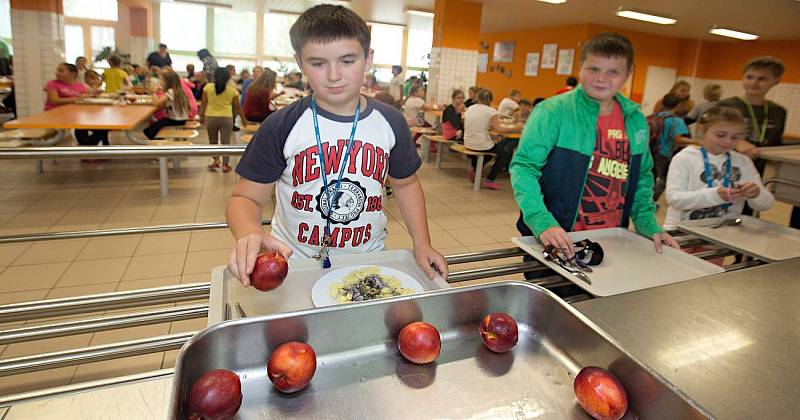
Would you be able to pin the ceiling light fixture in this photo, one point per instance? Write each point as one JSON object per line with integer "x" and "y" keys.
{"x": 554, "y": 1}
{"x": 419, "y": 13}
{"x": 730, "y": 33}
{"x": 645, "y": 16}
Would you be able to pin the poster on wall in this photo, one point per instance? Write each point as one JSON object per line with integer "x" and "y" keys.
{"x": 565, "y": 60}
{"x": 503, "y": 52}
{"x": 532, "y": 64}
{"x": 549, "y": 56}
{"x": 627, "y": 88}
{"x": 483, "y": 62}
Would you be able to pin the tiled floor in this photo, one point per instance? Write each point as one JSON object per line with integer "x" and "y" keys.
{"x": 123, "y": 193}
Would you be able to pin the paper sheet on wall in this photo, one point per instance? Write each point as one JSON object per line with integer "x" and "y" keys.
{"x": 565, "y": 60}
{"x": 549, "y": 56}
{"x": 532, "y": 64}
{"x": 483, "y": 62}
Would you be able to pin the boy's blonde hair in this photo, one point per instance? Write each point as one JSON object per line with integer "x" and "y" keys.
{"x": 712, "y": 92}
{"x": 720, "y": 114}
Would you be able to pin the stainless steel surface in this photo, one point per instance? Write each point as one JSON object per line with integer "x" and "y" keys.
{"x": 87, "y": 388}
{"x": 123, "y": 152}
{"x": 754, "y": 237}
{"x": 140, "y": 400}
{"x": 728, "y": 222}
{"x": 99, "y": 353}
{"x": 731, "y": 341}
{"x": 111, "y": 322}
{"x": 295, "y": 293}
{"x": 786, "y": 182}
{"x": 360, "y": 373}
{"x": 630, "y": 262}
{"x": 33, "y": 237}
{"x": 498, "y": 270}
{"x": 105, "y": 301}
{"x": 484, "y": 255}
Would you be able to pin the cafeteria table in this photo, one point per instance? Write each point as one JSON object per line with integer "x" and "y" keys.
{"x": 786, "y": 160}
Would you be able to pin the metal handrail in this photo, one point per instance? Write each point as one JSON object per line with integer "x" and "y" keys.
{"x": 784, "y": 181}
{"x": 76, "y": 234}
{"x": 122, "y": 152}
{"x": 105, "y": 323}
{"x": 484, "y": 255}
{"x": 38, "y": 362}
{"x": 500, "y": 270}
{"x": 25, "y": 311}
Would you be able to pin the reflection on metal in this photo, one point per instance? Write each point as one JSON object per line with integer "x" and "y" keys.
{"x": 484, "y": 255}
{"x": 33, "y": 237}
{"x": 105, "y": 301}
{"x": 91, "y": 354}
{"x": 500, "y": 270}
{"x": 715, "y": 253}
{"x": 123, "y": 152}
{"x": 105, "y": 323}
{"x": 699, "y": 350}
{"x": 83, "y": 386}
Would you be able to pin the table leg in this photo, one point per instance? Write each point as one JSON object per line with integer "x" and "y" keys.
{"x": 426, "y": 147}
{"x": 39, "y": 166}
{"x": 478, "y": 174}
{"x": 439, "y": 151}
{"x": 163, "y": 176}
{"x": 176, "y": 164}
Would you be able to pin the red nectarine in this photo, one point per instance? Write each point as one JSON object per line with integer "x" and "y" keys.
{"x": 600, "y": 393}
{"x": 499, "y": 332}
{"x": 419, "y": 342}
{"x": 215, "y": 395}
{"x": 291, "y": 366}
{"x": 270, "y": 270}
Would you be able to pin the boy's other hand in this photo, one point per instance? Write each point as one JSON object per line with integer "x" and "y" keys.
{"x": 431, "y": 261}
{"x": 243, "y": 256}
{"x": 559, "y": 238}
{"x": 746, "y": 148}
{"x": 664, "y": 238}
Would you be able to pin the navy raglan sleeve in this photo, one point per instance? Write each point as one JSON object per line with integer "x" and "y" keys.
{"x": 263, "y": 160}
{"x": 403, "y": 158}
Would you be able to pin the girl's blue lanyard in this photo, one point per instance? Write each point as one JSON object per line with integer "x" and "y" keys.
{"x": 334, "y": 195}
{"x": 726, "y": 181}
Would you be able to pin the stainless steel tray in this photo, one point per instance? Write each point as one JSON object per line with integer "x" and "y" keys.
{"x": 755, "y": 237}
{"x": 361, "y": 375}
{"x": 630, "y": 262}
{"x": 295, "y": 292}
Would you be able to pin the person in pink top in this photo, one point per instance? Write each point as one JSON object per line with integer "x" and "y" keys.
{"x": 66, "y": 89}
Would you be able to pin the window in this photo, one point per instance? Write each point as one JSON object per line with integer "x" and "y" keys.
{"x": 420, "y": 39}
{"x": 276, "y": 35}
{"x": 102, "y": 36}
{"x": 179, "y": 61}
{"x": 91, "y": 9}
{"x": 387, "y": 42}
{"x": 234, "y": 32}
{"x": 5, "y": 24}
{"x": 73, "y": 42}
{"x": 239, "y": 64}
{"x": 281, "y": 67}
{"x": 183, "y": 26}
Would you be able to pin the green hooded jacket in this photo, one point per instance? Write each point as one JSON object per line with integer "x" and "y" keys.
{"x": 550, "y": 167}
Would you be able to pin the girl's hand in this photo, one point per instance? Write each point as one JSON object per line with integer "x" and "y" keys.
{"x": 749, "y": 190}
{"x": 431, "y": 261}
{"x": 723, "y": 194}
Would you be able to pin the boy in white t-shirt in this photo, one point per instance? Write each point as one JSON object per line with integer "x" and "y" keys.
{"x": 510, "y": 104}
{"x": 414, "y": 108}
{"x": 396, "y": 84}
{"x": 358, "y": 141}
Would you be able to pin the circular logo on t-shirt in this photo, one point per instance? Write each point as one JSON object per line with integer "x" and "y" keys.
{"x": 346, "y": 206}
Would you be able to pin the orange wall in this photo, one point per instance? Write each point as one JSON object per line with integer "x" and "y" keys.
{"x": 39, "y": 5}
{"x": 457, "y": 24}
{"x": 724, "y": 60}
{"x": 527, "y": 41}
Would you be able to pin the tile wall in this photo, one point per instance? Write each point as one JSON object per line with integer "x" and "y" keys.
{"x": 450, "y": 68}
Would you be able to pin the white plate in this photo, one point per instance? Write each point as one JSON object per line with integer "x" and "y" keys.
{"x": 320, "y": 292}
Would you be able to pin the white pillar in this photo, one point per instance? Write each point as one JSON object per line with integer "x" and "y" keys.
{"x": 38, "y": 39}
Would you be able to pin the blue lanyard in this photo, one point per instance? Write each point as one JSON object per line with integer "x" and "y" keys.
{"x": 726, "y": 182}
{"x": 334, "y": 195}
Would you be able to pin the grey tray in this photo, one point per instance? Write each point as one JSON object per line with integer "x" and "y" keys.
{"x": 754, "y": 237}
{"x": 361, "y": 375}
{"x": 630, "y": 262}
{"x": 295, "y": 292}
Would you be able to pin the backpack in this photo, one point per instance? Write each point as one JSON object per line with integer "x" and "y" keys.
{"x": 655, "y": 122}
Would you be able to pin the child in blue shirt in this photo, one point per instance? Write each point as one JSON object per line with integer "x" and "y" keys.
{"x": 674, "y": 132}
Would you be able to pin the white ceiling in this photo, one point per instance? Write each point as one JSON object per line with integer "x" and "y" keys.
{"x": 771, "y": 19}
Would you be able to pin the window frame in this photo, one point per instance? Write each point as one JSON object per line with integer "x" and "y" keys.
{"x": 87, "y": 24}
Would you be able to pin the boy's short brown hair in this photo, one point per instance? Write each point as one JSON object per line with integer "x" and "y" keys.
{"x": 769, "y": 63}
{"x": 608, "y": 44}
{"x": 327, "y": 23}
{"x": 115, "y": 60}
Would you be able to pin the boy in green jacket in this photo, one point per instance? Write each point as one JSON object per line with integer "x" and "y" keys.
{"x": 583, "y": 160}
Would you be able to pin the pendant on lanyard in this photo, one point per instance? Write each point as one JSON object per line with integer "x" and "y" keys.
{"x": 332, "y": 196}
{"x": 726, "y": 181}
{"x": 759, "y": 130}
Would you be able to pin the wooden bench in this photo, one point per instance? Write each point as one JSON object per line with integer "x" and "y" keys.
{"x": 441, "y": 144}
{"x": 476, "y": 185}
{"x": 191, "y": 125}
{"x": 27, "y": 134}
{"x": 251, "y": 128}
{"x": 245, "y": 138}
